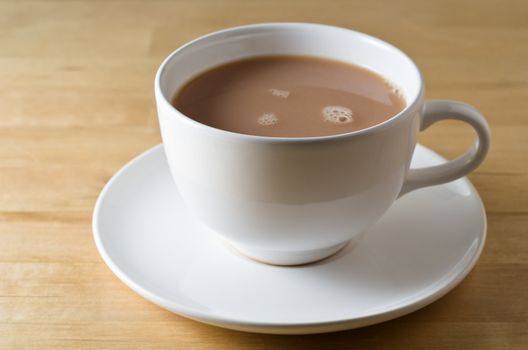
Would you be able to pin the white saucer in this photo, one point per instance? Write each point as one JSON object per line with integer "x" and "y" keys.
{"x": 422, "y": 248}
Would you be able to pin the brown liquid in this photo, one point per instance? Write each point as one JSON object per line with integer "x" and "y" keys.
{"x": 289, "y": 96}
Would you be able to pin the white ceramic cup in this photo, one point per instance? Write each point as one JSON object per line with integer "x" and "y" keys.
{"x": 291, "y": 201}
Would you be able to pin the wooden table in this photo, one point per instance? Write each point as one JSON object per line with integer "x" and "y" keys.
{"x": 76, "y": 103}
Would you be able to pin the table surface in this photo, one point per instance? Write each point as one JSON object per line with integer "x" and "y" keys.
{"x": 76, "y": 103}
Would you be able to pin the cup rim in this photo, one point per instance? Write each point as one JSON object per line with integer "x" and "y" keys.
{"x": 410, "y": 108}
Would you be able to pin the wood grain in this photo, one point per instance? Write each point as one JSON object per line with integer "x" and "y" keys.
{"x": 76, "y": 103}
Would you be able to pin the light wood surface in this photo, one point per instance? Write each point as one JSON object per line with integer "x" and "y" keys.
{"x": 76, "y": 103}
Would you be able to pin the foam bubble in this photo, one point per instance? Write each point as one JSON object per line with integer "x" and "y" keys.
{"x": 394, "y": 89}
{"x": 279, "y": 93}
{"x": 337, "y": 114}
{"x": 397, "y": 92}
{"x": 268, "y": 119}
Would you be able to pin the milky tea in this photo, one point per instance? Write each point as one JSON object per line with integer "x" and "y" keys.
{"x": 289, "y": 96}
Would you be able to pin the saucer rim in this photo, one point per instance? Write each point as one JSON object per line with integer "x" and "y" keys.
{"x": 278, "y": 327}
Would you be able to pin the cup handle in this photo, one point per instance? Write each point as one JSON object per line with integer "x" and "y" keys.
{"x": 434, "y": 111}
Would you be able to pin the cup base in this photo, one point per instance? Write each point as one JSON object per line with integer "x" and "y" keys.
{"x": 286, "y": 258}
